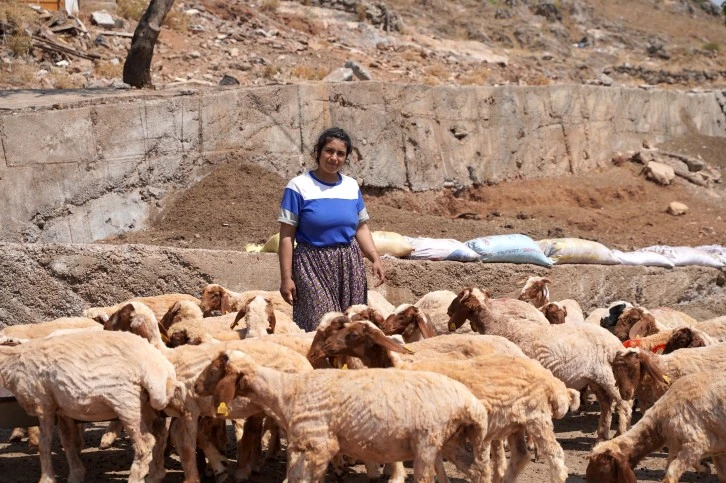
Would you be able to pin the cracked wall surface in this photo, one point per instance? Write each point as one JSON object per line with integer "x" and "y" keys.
{"x": 46, "y": 281}
{"x": 81, "y": 172}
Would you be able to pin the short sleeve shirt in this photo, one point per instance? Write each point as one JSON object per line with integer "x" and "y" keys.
{"x": 324, "y": 214}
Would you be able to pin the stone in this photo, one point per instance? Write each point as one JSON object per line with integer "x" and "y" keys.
{"x": 675, "y": 208}
{"x": 340, "y": 74}
{"x": 659, "y": 173}
{"x": 228, "y": 80}
{"x": 605, "y": 80}
{"x": 103, "y": 19}
{"x": 360, "y": 72}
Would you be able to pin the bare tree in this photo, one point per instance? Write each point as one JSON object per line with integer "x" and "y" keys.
{"x": 137, "y": 68}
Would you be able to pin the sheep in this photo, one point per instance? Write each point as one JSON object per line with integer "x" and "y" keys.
{"x": 715, "y": 328}
{"x": 381, "y": 415}
{"x": 612, "y": 313}
{"x": 578, "y": 354}
{"x": 44, "y": 329}
{"x": 690, "y": 420}
{"x": 378, "y": 302}
{"x": 94, "y": 377}
{"x": 411, "y": 322}
{"x": 536, "y": 292}
{"x": 259, "y": 316}
{"x": 216, "y": 297}
{"x": 434, "y": 304}
{"x": 646, "y": 375}
{"x": 635, "y": 322}
{"x": 520, "y": 393}
{"x": 670, "y": 340}
{"x": 158, "y": 304}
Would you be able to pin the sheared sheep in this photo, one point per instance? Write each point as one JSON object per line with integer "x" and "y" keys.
{"x": 409, "y": 321}
{"x": 636, "y": 322}
{"x": 690, "y": 420}
{"x": 646, "y": 375}
{"x": 158, "y": 304}
{"x": 216, "y": 297}
{"x": 95, "y": 377}
{"x": 520, "y": 393}
{"x": 379, "y": 415}
{"x": 578, "y": 354}
{"x": 536, "y": 292}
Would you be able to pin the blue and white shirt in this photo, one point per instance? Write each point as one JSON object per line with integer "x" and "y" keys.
{"x": 324, "y": 214}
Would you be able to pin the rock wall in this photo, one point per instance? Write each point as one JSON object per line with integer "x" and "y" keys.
{"x": 75, "y": 172}
{"x": 46, "y": 281}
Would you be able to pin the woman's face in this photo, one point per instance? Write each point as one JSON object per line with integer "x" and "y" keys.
{"x": 332, "y": 156}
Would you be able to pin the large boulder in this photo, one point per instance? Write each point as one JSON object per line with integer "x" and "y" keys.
{"x": 659, "y": 173}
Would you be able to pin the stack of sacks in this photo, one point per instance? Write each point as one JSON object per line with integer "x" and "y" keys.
{"x": 440, "y": 249}
{"x": 575, "y": 250}
{"x": 391, "y": 243}
{"x": 513, "y": 248}
{"x": 683, "y": 256}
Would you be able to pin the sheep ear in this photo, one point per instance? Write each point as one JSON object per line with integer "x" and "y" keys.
{"x": 242, "y": 312}
{"x": 564, "y": 309}
{"x": 168, "y": 317}
{"x": 464, "y": 295}
{"x": 271, "y": 320}
{"x": 388, "y": 344}
{"x": 101, "y": 318}
{"x": 625, "y": 473}
{"x": 423, "y": 326}
{"x": 225, "y": 389}
{"x": 121, "y": 319}
{"x": 486, "y": 293}
{"x": 651, "y": 369}
{"x": 225, "y": 306}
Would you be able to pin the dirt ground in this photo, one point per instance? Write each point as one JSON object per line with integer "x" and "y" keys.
{"x": 576, "y": 434}
{"x": 616, "y": 206}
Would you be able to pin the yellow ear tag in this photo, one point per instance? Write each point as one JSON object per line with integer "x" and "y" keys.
{"x": 408, "y": 349}
{"x": 452, "y": 327}
{"x": 223, "y": 409}
{"x": 345, "y": 366}
{"x": 666, "y": 379}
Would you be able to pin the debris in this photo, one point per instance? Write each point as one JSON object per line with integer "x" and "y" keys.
{"x": 46, "y": 44}
{"x": 675, "y": 208}
{"x": 659, "y": 173}
{"x": 103, "y": 19}
{"x": 116, "y": 34}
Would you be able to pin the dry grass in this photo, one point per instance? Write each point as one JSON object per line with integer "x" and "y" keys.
{"x": 476, "y": 77}
{"x": 360, "y": 11}
{"x": 131, "y": 9}
{"x": 18, "y": 16}
{"x": 438, "y": 71}
{"x": 271, "y": 71}
{"x": 108, "y": 70}
{"x": 19, "y": 44}
{"x": 18, "y": 75}
{"x": 270, "y": 5}
{"x": 177, "y": 21}
{"x": 307, "y": 72}
{"x": 411, "y": 55}
{"x": 711, "y": 47}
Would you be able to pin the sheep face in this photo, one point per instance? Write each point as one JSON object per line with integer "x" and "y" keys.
{"x": 325, "y": 332}
{"x": 225, "y": 377}
{"x": 614, "y": 313}
{"x": 630, "y": 367}
{"x": 406, "y": 323}
{"x": 359, "y": 339}
{"x": 124, "y": 320}
{"x": 631, "y": 316}
{"x": 368, "y": 314}
{"x": 258, "y": 302}
{"x": 534, "y": 289}
{"x": 464, "y": 306}
{"x": 215, "y": 297}
{"x": 608, "y": 467}
{"x": 182, "y": 337}
{"x": 554, "y": 313}
{"x": 683, "y": 338}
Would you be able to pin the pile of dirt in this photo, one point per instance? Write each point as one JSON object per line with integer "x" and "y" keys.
{"x": 238, "y": 204}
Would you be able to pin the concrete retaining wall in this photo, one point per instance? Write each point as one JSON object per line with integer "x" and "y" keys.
{"x": 80, "y": 171}
{"x": 46, "y": 281}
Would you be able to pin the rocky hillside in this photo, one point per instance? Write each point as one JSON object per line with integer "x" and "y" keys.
{"x": 256, "y": 42}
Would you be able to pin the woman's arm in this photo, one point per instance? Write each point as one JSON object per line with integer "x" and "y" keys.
{"x": 365, "y": 240}
{"x": 284, "y": 252}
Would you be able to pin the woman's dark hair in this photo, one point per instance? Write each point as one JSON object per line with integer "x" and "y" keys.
{"x": 326, "y": 136}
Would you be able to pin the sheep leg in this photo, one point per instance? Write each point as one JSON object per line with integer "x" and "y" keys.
{"x": 719, "y": 462}
{"x": 423, "y": 469}
{"x": 183, "y": 432}
{"x": 33, "y": 436}
{"x": 518, "y": 454}
{"x": 543, "y": 434}
{"x": 686, "y": 457}
{"x": 606, "y": 412}
{"x": 159, "y": 430}
{"x": 274, "y": 447}
{"x": 308, "y": 466}
{"x": 143, "y": 441}
{"x": 397, "y": 472}
{"x": 499, "y": 460}
{"x": 249, "y": 448}
{"x": 71, "y": 442}
{"x": 217, "y": 461}
{"x": 44, "y": 443}
{"x": 440, "y": 470}
{"x": 112, "y": 433}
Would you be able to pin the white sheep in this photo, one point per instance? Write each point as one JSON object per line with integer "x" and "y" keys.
{"x": 578, "y": 354}
{"x": 377, "y": 415}
{"x": 670, "y": 340}
{"x": 216, "y": 297}
{"x": 690, "y": 420}
{"x": 94, "y": 377}
{"x": 646, "y": 375}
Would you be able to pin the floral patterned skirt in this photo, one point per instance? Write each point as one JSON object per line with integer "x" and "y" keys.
{"x": 326, "y": 280}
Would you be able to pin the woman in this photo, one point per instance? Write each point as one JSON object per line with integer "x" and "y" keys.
{"x": 323, "y": 211}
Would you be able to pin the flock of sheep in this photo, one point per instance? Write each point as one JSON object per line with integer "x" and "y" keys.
{"x": 454, "y": 377}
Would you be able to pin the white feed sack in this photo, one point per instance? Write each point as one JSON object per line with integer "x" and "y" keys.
{"x": 650, "y": 259}
{"x": 441, "y": 249}
{"x": 684, "y": 256}
{"x": 575, "y": 250}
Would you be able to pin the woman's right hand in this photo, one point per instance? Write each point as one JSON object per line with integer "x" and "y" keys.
{"x": 287, "y": 290}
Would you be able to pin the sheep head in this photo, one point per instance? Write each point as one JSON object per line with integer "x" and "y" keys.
{"x": 554, "y": 313}
{"x": 630, "y": 366}
{"x": 627, "y": 320}
{"x": 406, "y": 321}
{"x": 330, "y": 325}
{"x": 96, "y": 313}
{"x": 179, "y": 311}
{"x": 468, "y": 302}
{"x": 608, "y": 466}
{"x": 215, "y": 297}
{"x": 125, "y": 320}
{"x": 683, "y": 338}
{"x": 614, "y": 312}
{"x": 535, "y": 290}
{"x": 358, "y": 312}
{"x": 255, "y": 304}
{"x": 225, "y": 377}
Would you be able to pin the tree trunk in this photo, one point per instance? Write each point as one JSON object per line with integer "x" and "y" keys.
{"x": 137, "y": 68}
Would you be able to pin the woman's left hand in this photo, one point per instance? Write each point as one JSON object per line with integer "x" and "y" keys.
{"x": 379, "y": 272}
